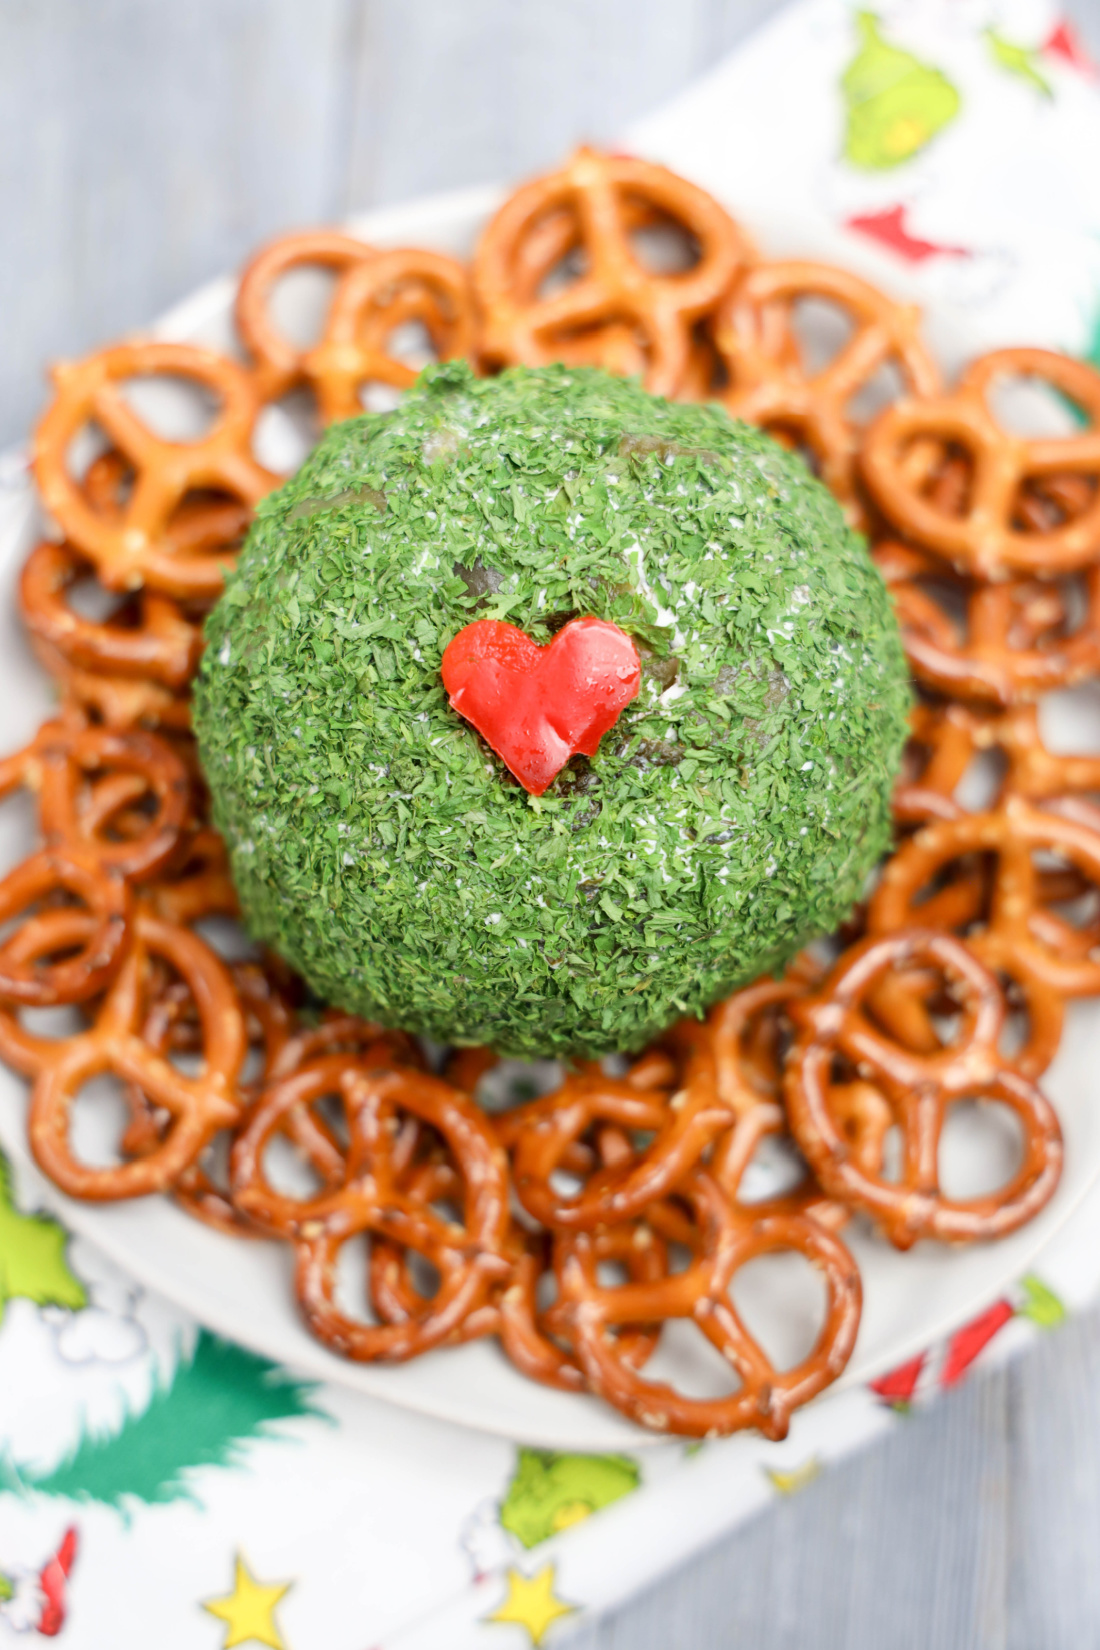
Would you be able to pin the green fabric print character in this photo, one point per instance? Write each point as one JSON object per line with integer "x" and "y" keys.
{"x": 1017, "y": 60}
{"x": 219, "y": 1399}
{"x": 33, "y": 1263}
{"x": 896, "y": 104}
{"x": 551, "y": 1491}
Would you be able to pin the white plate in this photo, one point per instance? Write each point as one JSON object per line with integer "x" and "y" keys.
{"x": 242, "y": 1290}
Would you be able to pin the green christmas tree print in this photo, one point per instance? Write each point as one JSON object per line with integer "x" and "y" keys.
{"x": 33, "y": 1263}
{"x": 217, "y": 1400}
{"x": 550, "y": 1491}
{"x": 895, "y": 103}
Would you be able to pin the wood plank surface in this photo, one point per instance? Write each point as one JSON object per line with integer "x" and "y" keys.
{"x": 146, "y": 145}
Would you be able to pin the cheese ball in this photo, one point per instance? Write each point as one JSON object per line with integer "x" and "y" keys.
{"x": 732, "y": 812}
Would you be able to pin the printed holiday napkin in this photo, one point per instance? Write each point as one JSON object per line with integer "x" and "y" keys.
{"x": 158, "y": 1484}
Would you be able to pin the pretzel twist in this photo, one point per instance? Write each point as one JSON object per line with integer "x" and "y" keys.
{"x": 616, "y": 300}
{"x": 374, "y": 299}
{"x": 135, "y": 547}
{"x": 726, "y": 1240}
{"x": 36, "y": 982}
{"x": 918, "y": 1087}
{"x": 946, "y": 739}
{"x": 163, "y": 644}
{"x": 198, "y": 1105}
{"x": 983, "y": 537}
{"x": 1020, "y": 638}
{"x": 172, "y": 1023}
{"x": 278, "y": 363}
{"x": 90, "y": 781}
{"x": 469, "y": 1257}
{"x": 1020, "y": 935}
{"x": 197, "y": 884}
{"x": 770, "y": 381}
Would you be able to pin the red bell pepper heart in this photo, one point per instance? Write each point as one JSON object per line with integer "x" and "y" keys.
{"x": 538, "y": 706}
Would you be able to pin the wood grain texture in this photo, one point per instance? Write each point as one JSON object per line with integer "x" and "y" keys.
{"x": 146, "y": 145}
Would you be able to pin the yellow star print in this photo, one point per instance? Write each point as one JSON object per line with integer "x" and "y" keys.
{"x": 788, "y": 1483}
{"x": 249, "y": 1611}
{"x": 530, "y": 1603}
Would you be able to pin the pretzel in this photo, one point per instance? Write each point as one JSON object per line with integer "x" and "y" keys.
{"x": 983, "y": 537}
{"x": 278, "y": 363}
{"x": 726, "y": 1076}
{"x": 726, "y": 1240}
{"x": 371, "y": 301}
{"x": 172, "y": 1023}
{"x": 513, "y": 1312}
{"x": 197, "y": 884}
{"x": 198, "y": 1106}
{"x": 771, "y": 383}
{"x": 467, "y": 1066}
{"x": 918, "y": 1089}
{"x": 1021, "y": 936}
{"x": 89, "y": 780}
{"x": 541, "y": 1133}
{"x": 108, "y": 906}
{"x": 615, "y": 295}
{"x": 204, "y": 520}
{"x": 1021, "y": 636}
{"x": 469, "y": 1257}
{"x": 346, "y": 1034}
{"x": 149, "y": 637}
{"x": 992, "y": 910}
{"x": 118, "y": 702}
{"x": 137, "y": 548}
{"x": 948, "y": 738}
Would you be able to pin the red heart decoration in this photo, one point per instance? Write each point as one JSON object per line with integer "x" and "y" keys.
{"x": 538, "y": 706}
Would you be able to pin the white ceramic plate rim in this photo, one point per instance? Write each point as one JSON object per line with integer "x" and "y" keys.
{"x": 446, "y": 220}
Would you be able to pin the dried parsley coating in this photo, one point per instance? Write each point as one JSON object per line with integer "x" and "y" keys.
{"x": 733, "y": 812}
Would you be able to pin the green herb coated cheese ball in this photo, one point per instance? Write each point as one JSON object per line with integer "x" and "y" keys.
{"x": 732, "y": 812}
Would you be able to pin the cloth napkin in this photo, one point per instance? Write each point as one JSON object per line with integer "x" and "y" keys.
{"x": 160, "y": 1485}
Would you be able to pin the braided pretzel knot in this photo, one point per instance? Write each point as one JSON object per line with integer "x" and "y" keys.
{"x": 601, "y": 193}
{"x": 983, "y": 537}
{"x": 163, "y": 643}
{"x": 1022, "y": 637}
{"x": 469, "y": 1257}
{"x": 136, "y": 546}
{"x": 372, "y": 300}
{"x": 726, "y": 1239}
{"x": 771, "y": 384}
{"x": 198, "y": 1106}
{"x": 918, "y": 1087}
{"x": 278, "y": 362}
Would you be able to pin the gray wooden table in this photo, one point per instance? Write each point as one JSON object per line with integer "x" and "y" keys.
{"x": 146, "y": 145}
